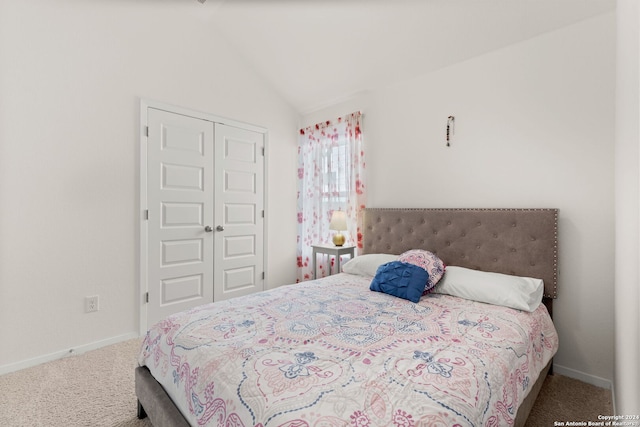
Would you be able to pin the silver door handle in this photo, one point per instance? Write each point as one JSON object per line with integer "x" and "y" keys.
{"x": 208, "y": 229}
{"x": 219, "y": 228}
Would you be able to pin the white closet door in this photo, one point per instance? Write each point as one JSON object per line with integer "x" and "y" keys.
{"x": 180, "y": 197}
{"x": 239, "y": 210}
{"x": 203, "y": 189}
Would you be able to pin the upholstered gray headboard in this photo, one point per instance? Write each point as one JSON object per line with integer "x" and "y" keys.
{"x": 522, "y": 242}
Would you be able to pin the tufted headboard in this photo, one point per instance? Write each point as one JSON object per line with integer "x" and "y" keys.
{"x": 522, "y": 242}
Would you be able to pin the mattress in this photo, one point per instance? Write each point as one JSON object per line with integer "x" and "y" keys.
{"x": 330, "y": 352}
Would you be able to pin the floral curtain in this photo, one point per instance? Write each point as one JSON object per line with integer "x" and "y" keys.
{"x": 330, "y": 177}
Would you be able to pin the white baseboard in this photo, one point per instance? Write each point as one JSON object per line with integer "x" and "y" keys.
{"x": 587, "y": 378}
{"x": 12, "y": 367}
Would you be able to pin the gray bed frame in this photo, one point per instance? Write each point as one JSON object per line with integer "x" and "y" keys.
{"x": 522, "y": 242}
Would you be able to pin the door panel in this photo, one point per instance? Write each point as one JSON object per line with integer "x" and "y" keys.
{"x": 240, "y": 214}
{"x": 239, "y": 246}
{"x": 180, "y": 194}
{"x": 181, "y": 252}
{"x": 181, "y": 289}
{"x": 182, "y": 215}
{"x": 239, "y": 279}
{"x": 239, "y": 211}
{"x": 181, "y": 177}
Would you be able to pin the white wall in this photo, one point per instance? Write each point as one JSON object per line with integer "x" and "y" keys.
{"x": 627, "y": 294}
{"x": 534, "y": 128}
{"x": 71, "y": 79}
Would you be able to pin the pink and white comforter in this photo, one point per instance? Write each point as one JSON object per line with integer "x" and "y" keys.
{"x": 333, "y": 353}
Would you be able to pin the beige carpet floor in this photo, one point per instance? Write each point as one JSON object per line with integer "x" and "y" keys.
{"x": 97, "y": 389}
{"x": 92, "y": 389}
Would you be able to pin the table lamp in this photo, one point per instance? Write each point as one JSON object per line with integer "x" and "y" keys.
{"x": 338, "y": 223}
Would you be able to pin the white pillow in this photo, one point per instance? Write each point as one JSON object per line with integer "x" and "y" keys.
{"x": 367, "y": 265}
{"x": 522, "y": 293}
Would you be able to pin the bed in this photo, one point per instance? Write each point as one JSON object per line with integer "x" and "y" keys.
{"x": 331, "y": 352}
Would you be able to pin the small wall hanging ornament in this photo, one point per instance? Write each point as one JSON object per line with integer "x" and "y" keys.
{"x": 450, "y": 128}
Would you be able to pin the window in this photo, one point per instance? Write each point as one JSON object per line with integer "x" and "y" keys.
{"x": 330, "y": 176}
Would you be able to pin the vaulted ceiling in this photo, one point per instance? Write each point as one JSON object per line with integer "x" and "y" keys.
{"x": 319, "y": 52}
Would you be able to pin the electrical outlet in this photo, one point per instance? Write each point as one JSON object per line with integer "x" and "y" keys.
{"x": 91, "y": 304}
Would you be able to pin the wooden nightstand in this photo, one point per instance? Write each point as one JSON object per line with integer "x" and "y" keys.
{"x": 336, "y": 251}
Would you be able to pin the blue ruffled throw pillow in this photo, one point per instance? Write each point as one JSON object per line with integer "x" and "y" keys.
{"x": 400, "y": 279}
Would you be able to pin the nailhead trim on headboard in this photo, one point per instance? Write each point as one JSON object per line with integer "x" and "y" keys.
{"x": 522, "y": 242}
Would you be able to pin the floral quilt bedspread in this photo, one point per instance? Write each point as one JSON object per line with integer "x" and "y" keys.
{"x": 331, "y": 352}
